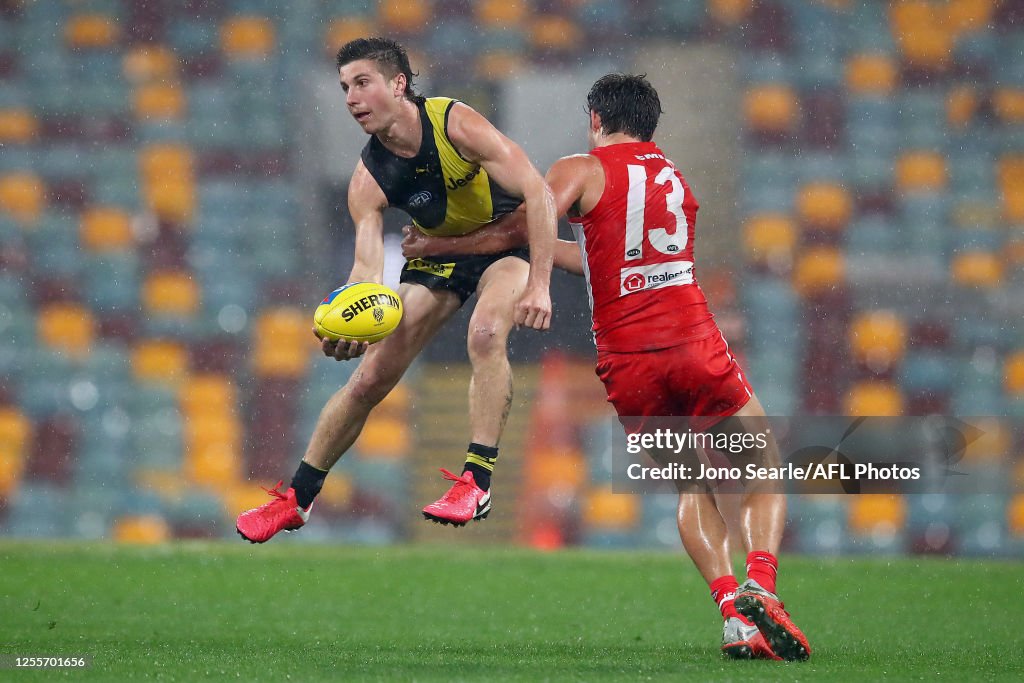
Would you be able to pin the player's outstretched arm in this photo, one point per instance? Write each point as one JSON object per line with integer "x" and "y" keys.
{"x": 505, "y": 233}
{"x": 506, "y": 163}
{"x": 366, "y": 204}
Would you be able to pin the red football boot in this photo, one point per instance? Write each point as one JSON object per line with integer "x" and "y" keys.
{"x": 769, "y": 615}
{"x": 281, "y": 514}
{"x": 742, "y": 640}
{"x": 463, "y": 502}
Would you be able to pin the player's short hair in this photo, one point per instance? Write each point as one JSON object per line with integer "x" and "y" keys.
{"x": 627, "y": 104}
{"x": 389, "y": 55}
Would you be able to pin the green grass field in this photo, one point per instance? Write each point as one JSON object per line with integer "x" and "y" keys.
{"x": 292, "y": 612}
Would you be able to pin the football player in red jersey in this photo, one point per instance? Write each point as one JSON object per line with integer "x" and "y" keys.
{"x": 660, "y": 353}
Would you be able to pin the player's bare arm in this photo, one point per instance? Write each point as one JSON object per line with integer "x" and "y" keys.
{"x": 575, "y": 181}
{"x": 366, "y": 204}
{"x": 506, "y": 163}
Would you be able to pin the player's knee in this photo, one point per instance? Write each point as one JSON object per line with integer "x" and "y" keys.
{"x": 486, "y": 339}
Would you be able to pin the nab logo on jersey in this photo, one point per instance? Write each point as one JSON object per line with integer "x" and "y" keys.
{"x": 634, "y": 283}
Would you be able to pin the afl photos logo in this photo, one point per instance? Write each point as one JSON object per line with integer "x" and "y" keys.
{"x": 420, "y": 199}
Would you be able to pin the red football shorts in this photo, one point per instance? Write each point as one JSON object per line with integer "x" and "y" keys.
{"x": 698, "y": 379}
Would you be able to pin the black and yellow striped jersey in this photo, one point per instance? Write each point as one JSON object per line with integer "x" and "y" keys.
{"x": 443, "y": 193}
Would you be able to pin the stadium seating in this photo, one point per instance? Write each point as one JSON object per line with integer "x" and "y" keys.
{"x": 149, "y": 211}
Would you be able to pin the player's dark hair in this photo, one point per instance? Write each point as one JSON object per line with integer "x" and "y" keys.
{"x": 626, "y": 104}
{"x": 390, "y": 57}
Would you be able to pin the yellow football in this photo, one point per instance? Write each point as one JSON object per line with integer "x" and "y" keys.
{"x": 359, "y": 311}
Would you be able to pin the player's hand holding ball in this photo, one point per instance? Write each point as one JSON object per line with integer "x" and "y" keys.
{"x": 354, "y": 316}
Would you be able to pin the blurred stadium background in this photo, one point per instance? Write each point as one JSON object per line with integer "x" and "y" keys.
{"x": 172, "y": 182}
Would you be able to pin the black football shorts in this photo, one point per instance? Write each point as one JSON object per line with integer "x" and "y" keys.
{"x": 459, "y": 274}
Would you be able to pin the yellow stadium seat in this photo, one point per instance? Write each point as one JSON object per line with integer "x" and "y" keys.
{"x": 730, "y": 12}
{"x": 346, "y": 29}
{"x": 961, "y": 105}
{"x": 142, "y": 530}
{"x": 168, "y": 484}
{"x": 1013, "y": 374}
{"x": 213, "y": 465}
{"x": 208, "y": 393}
{"x": 247, "y": 495}
{"x": 165, "y": 161}
{"x": 1011, "y": 185}
{"x": 17, "y": 126}
{"x": 819, "y": 269}
{"x": 877, "y": 513}
{"x": 145, "y": 63}
{"x": 22, "y": 196}
{"x": 283, "y": 343}
{"x": 337, "y": 491}
{"x": 105, "y": 228}
{"x": 15, "y": 429}
{"x": 994, "y": 441}
{"x": 213, "y": 430}
{"x": 159, "y": 101}
{"x": 770, "y": 237}
{"x": 67, "y": 327}
{"x": 1009, "y": 105}
{"x": 284, "y": 326}
{"x": 927, "y": 47}
{"x": 906, "y": 14}
{"x": 871, "y": 74}
{"x": 285, "y": 362}
{"x": 501, "y": 14}
{"x": 771, "y": 108}
{"x": 12, "y": 466}
{"x": 247, "y": 37}
{"x": 968, "y": 15}
{"x": 404, "y": 16}
{"x": 15, "y": 435}
{"x": 878, "y": 338}
{"x": 872, "y": 398}
{"x": 607, "y": 511}
{"x": 172, "y": 200}
{"x": 170, "y": 293}
{"x": 977, "y": 269}
{"x": 824, "y": 205}
{"x": 921, "y": 171}
{"x": 384, "y": 437}
{"x": 567, "y": 467}
{"x": 162, "y": 361}
{"x": 498, "y": 65}
{"x": 168, "y": 181}
{"x": 397, "y": 402}
{"x": 1015, "y": 515}
{"x": 91, "y": 31}
{"x": 550, "y": 32}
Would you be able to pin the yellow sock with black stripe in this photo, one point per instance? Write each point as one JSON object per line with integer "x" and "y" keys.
{"x": 480, "y": 461}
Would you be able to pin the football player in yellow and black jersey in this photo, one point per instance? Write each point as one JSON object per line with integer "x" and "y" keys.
{"x": 453, "y": 173}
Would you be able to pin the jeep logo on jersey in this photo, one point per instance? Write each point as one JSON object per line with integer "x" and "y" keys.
{"x": 419, "y": 200}
{"x": 454, "y": 184}
{"x": 655, "y": 276}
